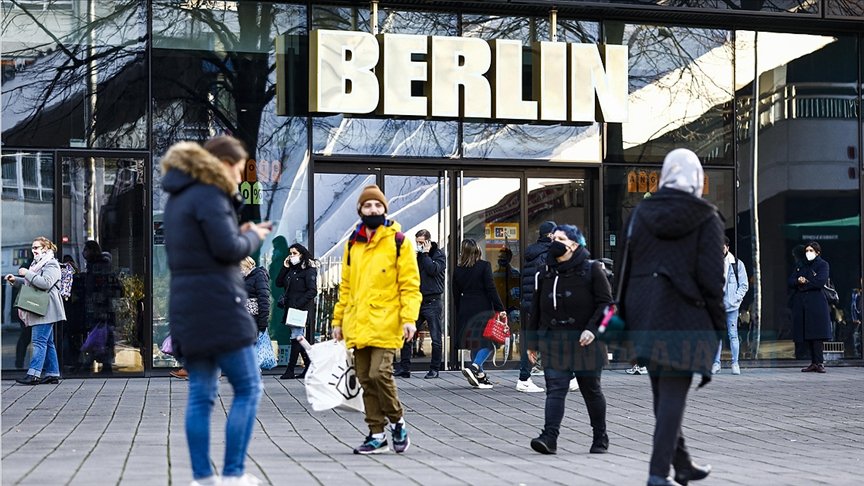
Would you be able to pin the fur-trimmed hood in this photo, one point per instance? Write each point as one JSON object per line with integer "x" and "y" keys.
{"x": 187, "y": 163}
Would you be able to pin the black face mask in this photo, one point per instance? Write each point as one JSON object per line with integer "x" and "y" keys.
{"x": 557, "y": 249}
{"x": 502, "y": 263}
{"x": 373, "y": 222}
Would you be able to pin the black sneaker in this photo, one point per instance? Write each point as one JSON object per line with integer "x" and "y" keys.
{"x": 545, "y": 444}
{"x": 431, "y": 374}
{"x": 483, "y": 382}
{"x": 401, "y": 442}
{"x": 472, "y": 373}
{"x": 372, "y": 446}
{"x": 600, "y": 444}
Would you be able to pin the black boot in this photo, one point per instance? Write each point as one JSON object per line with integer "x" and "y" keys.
{"x": 292, "y": 361}
{"x": 691, "y": 472}
{"x": 545, "y": 443}
{"x": 306, "y": 360}
{"x": 28, "y": 380}
{"x": 600, "y": 444}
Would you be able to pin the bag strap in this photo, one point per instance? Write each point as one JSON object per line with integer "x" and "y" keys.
{"x": 506, "y": 348}
{"x": 625, "y": 258}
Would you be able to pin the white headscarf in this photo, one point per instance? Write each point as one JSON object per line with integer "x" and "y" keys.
{"x": 682, "y": 171}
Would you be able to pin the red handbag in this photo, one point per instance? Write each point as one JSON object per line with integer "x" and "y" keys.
{"x": 497, "y": 329}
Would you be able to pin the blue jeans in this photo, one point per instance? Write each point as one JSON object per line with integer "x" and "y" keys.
{"x": 732, "y": 330}
{"x": 481, "y": 355}
{"x": 44, "y": 353}
{"x": 241, "y": 368}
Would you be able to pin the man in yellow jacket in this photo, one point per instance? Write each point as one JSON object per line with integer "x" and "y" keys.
{"x": 379, "y": 301}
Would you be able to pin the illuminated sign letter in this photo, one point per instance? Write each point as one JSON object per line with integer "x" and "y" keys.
{"x": 340, "y": 69}
{"x": 396, "y": 71}
{"x": 589, "y": 77}
{"x": 550, "y": 79}
{"x": 507, "y": 82}
{"x": 460, "y": 63}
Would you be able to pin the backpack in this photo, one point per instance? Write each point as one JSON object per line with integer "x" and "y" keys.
{"x": 67, "y": 272}
{"x": 399, "y": 237}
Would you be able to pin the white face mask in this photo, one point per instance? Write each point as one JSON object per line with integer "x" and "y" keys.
{"x": 810, "y": 255}
{"x": 294, "y": 260}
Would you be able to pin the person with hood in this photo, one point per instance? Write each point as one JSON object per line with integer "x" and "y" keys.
{"x": 572, "y": 292}
{"x": 299, "y": 278}
{"x": 733, "y": 294}
{"x": 211, "y": 330}
{"x": 535, "y": 260}
{"x": 257, "y": 283}
{"x": 811, "y": 314}
{"x": 43, "y": 274}
{"x": 379, "y": 301}
{"x": 431, "y": 262}
{"x": 673, "y": 303}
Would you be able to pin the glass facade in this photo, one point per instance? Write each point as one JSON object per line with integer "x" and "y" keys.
{"x": 95, "y": 91}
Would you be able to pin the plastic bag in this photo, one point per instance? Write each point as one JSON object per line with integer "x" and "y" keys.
{"x": 97, "y": 340}
{"x": 264, "y": 348}
{"x": 167, "y": 346}
{"x": 331, "y": 380}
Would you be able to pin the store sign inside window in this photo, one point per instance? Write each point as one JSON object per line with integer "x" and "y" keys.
{"x": 463, "y": 77}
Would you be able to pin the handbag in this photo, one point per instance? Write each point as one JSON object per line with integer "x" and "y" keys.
{"x": 830, "y": 293}
{"x": 331, "y": 381}
{"x": 252, "y": 305}
{"x": 264, "y": 349}
{"x": 496, "y": 329}
{"x": 167, "y": 346}
{"x": 32, "y": 300}
{"x": 97, "y": 340}
{"x": 296, "y": 317}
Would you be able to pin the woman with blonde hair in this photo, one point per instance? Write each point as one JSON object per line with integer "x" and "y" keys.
{"x": 475, "y": 300}
{"x": 43, "y": 274}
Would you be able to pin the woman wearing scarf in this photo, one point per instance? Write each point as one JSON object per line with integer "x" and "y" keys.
{"x": 570, "y": 294}
{"x": 43, "y": 274}
{"x": 673, "y": 303}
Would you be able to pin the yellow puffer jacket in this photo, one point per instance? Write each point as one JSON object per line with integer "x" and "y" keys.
{"x": 378, "y": 294}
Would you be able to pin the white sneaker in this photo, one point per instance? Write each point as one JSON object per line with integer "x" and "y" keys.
{"x": 637, "y": 370}
{"x": 715, "y": 368}
{"x": 736, "y": 370}
{"x": 208, "y": 481}
{"x": 536, "y": 371}
{"x": 528, "y": 386}
{"x": 574, "y": 385}
{"x": 244, "y": 480}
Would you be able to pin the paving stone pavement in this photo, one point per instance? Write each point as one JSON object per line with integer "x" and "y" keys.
{"x": 766, "y": 427}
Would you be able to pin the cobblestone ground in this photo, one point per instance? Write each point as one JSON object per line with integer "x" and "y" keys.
{"x": 765, "y": 427}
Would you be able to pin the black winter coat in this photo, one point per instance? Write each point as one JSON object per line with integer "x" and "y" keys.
{"x": 811, "y": 314}
{"x": 673, "y": 290}
{"x": 474, "y": 299}
{"x": 535, "y": 259}
{"x": 301, "y": 288}
{"x": 258, "y": 286}
{"x": 207, "y": 310}
{"x": 570, "y": 299}
{"x": 431, "y": 266}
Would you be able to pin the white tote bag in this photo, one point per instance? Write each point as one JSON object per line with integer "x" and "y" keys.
{"x": 296, "y": 317}
{"x": 331, "y": 380}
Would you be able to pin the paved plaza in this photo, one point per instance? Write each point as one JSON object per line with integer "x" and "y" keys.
{"x": 766, "y": 427}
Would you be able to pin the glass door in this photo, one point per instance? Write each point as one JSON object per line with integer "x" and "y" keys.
{"x": 104, "y": 214}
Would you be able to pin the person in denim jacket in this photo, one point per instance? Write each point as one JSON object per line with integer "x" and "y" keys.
{"x": 733, "y": 294}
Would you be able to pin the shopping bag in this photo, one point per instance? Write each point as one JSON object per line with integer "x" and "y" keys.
{"x": 167, "y": 347}
{"x": 612, "y": 326}
{"x": 264, "y": 349}
{"x": 296, "y": 317}
{"x": 97, "y": 340}
{"x": 496, "y": 329}
{"x": 32, "y": 300}
{"x": 331, "y": 380}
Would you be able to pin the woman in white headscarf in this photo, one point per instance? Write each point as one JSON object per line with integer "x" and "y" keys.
{"x": 673, "y": 303}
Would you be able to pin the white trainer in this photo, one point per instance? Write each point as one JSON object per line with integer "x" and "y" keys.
{"x": 637, "y": 370}
{"x": 528, "y": 386}
{"x": 715, "y": 368}
{"x": 244, "y": 480}
{"x": 574, "y": 385}
{"x": 208, "y": 481}
{"x": 736, "y": 370}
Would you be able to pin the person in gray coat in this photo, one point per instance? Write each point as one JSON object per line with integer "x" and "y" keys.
{"x": 44, "y": 274}
{"x": 673, "y": 303}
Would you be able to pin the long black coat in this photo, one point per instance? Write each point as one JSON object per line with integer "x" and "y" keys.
{"x": 475, "y": 300}
{"x": 207, "y": 309}
{"x": 811, "y": 315}
{"x": 673, "y": 290}
{"x": 257, "y": 285}
{"x": 570, "y": 299}
{"x": 301, "y": 288}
